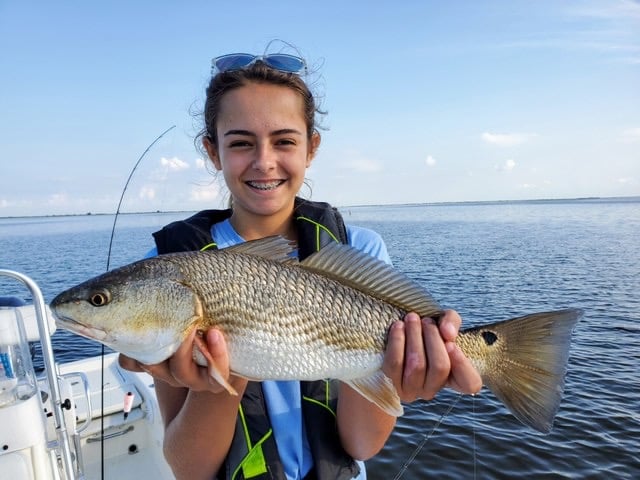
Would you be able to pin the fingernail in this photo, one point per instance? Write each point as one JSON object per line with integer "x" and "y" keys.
{"x": 411, "y": 317}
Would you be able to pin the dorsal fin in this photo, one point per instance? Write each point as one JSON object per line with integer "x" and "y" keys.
{"x": 374, "y": 277}
{"x": 275, "y": 248}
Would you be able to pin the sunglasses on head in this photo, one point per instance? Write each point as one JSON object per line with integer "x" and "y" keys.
{"x": 278, "y": 61}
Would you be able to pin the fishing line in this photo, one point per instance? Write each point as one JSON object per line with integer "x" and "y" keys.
{"x": 475, "y": 458}
{"x": 113, "y": 231}
{"x": 425, "y": 439}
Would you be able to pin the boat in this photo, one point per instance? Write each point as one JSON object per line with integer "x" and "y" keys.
{"x": 83, "y": 419}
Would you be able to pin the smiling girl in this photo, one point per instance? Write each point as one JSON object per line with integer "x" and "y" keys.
{"x": 260, "y": 132}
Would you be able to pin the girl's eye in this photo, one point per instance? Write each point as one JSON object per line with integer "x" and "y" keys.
{"x": 286, "y": 141}
{"x": 239, "y": 143}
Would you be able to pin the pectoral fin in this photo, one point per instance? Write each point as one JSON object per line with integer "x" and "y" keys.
{"x": 202, "y": 357}
{"x": 379, "y": 389}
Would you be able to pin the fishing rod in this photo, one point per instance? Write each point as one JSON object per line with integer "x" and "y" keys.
{"x": 126, "y": 185}
{"x": 113, "y": 231}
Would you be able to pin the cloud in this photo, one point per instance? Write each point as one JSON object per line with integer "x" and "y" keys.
{"x": 609, "y": 28}
{"x": 58, "y": 200}
{"x": 147, "y": 193}
{"x": 631, "y": 134}
{"x": 507, "y": 166}
{"x": 626, "y": 181}
{"x": 430, "y": 161}
{"x": 625, "y": 10}
{"x": 506, "y": 139}
{"x": 200, "y": 163}
{"x": 174, "y": 164}
{"x": 360, "y": 164}
{"x": 534, "y": 186}
{"x": 204, "y": 193}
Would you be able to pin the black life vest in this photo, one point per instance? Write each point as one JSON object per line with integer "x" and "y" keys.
{"x": 254, "y": 453}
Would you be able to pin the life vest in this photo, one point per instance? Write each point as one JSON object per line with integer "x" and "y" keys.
{"x": 254, "y": 453}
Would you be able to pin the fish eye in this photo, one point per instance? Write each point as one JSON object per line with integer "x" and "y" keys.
{"x": 100, "y": 298}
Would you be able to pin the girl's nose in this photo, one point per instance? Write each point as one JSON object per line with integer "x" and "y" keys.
{"x": 265, "y": 158}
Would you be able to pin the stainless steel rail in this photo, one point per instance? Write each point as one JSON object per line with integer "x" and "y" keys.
{"x": 50, "y": 368}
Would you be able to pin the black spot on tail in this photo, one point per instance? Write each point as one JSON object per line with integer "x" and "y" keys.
{"x": 489, "y": 337}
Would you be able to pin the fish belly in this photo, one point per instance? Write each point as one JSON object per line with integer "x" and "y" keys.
{"x": 259, "y": 358}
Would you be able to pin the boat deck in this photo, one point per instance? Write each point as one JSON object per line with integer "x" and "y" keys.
{"x": 133, "y": 446}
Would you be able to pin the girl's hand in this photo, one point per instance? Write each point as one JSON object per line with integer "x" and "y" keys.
{"x": 421, "y": 358}
{"x": 181, "y": 371}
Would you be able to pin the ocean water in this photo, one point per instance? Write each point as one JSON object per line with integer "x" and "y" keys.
{"x": 489, "y": 262}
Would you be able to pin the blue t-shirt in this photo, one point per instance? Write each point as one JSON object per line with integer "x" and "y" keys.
{"x": 283, "y": 398}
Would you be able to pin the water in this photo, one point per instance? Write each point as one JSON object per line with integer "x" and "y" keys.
{"x": 489, "y": 262}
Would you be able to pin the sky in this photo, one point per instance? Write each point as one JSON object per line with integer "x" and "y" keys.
{"x": 425, "y": 101}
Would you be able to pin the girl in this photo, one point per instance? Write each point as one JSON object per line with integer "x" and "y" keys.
{"x": 260, "y": 132}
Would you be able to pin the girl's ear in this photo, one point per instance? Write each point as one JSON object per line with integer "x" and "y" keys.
{"x": 314, "y": 144}
{"x": 212, "y": 151}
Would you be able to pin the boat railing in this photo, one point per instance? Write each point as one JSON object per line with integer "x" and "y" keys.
{"x": 51, "y": 371}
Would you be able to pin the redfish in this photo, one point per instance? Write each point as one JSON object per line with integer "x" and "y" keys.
{"x": 327, "y": 316}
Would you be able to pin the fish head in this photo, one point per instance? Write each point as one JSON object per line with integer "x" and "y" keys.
{"x": 143, "y": 310}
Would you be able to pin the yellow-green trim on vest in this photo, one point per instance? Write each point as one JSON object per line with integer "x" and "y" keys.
{"x": 319, "y": 227}
{"x": 254, "y": 463}
{"x": 326, "y": 399}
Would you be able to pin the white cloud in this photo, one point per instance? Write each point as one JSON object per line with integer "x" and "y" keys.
{"x": 174, "y": 164}
{"x": 626, "y": 181}
{"x": 624, "y": 10}
{"x": 58, "y": 200}
{"x": 609, "y": 28}
{"x": 204, "y": 193}
{"x": 506, "y": 139}
{"x": 507, "y": 166}
{"x": 200, "y": 163}
{"x": 147, "y": 193}
{"x": 430, "y": 161}
{"x": 351, "y": 161}
{"x": 361, "y": 164}
{"x": 631, "y": 134}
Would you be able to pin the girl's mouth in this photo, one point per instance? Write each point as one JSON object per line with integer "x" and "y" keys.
{"x": 262, "y": 185}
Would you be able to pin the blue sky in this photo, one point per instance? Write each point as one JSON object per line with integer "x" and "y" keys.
{"x": 427, "y": 101}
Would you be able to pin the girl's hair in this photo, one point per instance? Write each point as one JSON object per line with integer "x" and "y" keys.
{"x": 257, "y": 72}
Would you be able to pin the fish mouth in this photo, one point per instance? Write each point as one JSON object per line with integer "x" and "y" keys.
{"x": 78, "y": 328}
{"x": 264, "y": 185}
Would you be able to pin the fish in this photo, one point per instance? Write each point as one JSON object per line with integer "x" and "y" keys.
{"x": 327, "y": 316}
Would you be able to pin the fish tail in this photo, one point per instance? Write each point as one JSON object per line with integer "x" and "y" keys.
{"x": 526, "y": 363}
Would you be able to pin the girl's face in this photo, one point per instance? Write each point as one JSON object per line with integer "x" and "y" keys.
{"x": 263, "y": 148}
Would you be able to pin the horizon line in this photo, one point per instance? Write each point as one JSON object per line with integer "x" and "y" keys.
{"x": 626, "y": 198}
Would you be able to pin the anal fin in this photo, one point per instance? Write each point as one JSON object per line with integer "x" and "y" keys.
{"x": 379, "y": 389}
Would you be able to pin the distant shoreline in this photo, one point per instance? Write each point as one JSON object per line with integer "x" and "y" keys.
{"x": 628, "y": 199}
